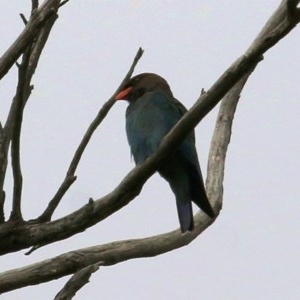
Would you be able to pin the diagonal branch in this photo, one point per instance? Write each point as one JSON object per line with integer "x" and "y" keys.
{"x": 108, "y": 254}
{"x": 70, "y": 176}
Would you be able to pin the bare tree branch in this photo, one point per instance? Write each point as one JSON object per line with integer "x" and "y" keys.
{"x": 16, "y": 213}
{"x": 63, "y": 3}
{"x": 5, "y": 139}
{"x": 108, "y": 254}
{"x": 76, "y": 282}
{"x": 220, "y": 141}
{"x": 26, "y": 70}
{"x": 25, "y": 21}
{"x": 11, "y": 130}
{"x": 70, "y": 176}
{"x": 41, "y": 15}
{"x": 34, "y": 5}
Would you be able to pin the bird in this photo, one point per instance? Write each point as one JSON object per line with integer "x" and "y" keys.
{"x": 152, "y": 112}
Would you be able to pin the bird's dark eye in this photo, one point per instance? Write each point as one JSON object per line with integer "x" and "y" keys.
{"x": 139, "y": 92}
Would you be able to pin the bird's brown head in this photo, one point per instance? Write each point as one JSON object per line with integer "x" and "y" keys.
{"x": 140, "y": 84}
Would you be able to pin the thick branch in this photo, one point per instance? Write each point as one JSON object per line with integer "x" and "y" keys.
{"x": 107, "y": 254}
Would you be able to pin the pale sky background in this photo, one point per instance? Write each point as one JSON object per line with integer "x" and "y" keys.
{"x": 252, "y": 250}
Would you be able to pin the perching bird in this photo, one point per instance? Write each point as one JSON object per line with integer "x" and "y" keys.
{"x": 151, "y": 114}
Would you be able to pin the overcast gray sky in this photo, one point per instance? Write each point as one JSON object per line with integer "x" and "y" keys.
{"x": 252, "y": 250}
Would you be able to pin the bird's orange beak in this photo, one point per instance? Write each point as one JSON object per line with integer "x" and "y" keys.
{"x": 123, "y": 94}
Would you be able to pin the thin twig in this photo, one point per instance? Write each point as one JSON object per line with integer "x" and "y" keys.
{"x": 34, "y": 5}
{"x": 63, "y": 3}
{"x": 70, "y": 176}
{"x": 21, "y": 97}
{"x": 25, "y": 21}
{"x": 16, "y": 214}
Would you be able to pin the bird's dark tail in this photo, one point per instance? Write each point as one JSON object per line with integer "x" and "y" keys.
{"x": 201, "y": 200}
{"x": 185, "y": 215}
{"x": 198, "y": 192}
